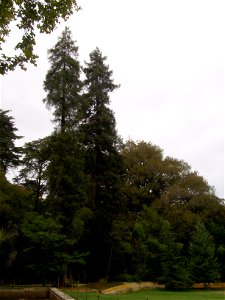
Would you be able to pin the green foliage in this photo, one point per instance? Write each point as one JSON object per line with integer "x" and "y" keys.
{"x": 65, "y": 177}
{"x": 143, "y": 163}
{"x": 33, "y": 170}
{"x": 42, "y": 252}
{"x": 14, "y": 203}
{"x": 29, "y": 17}
{"x": 9, "y": 153}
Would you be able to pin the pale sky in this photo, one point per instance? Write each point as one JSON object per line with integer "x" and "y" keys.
{"x": 168, "y": 56}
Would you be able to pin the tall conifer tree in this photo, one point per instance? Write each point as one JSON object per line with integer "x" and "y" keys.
{"x": 65, "y": 176}
{"x": 99, "y": 132}
{"x": 62, "y": 82}
{"x": 103, "y": 162}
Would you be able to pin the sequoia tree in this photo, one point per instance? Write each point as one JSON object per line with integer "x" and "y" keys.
{"x": 103, "y": 162}
{"x": 99, "y": 132}
{"x": 66, "y": 182}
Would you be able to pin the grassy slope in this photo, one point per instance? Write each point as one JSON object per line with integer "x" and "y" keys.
{"x": 151, "y": 294}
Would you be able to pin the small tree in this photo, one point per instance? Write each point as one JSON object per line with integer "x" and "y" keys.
{"x": 203, "y": 263}
{"x": 175, "y": 274}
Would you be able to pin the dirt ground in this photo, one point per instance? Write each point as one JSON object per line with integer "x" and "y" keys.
{"x": 124, "y": 287}
{"x": 114, "y": 288}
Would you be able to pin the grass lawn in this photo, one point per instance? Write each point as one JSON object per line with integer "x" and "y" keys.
{"x": 152, "y": 294}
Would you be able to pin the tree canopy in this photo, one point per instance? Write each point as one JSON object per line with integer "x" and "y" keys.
{"x": 88, "y": 206}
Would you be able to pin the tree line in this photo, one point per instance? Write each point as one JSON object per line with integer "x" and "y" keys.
{"x": 88, "y": 206}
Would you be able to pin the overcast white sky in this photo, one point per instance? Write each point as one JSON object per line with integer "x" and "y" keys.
{"x": 168, "y": 56}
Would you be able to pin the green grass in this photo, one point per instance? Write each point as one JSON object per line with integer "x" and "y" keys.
{"x": 152, "y": 294}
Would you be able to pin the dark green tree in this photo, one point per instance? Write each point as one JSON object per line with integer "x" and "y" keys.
{"x": 214, "y": 216}
{"x": 62, "y": 82}
{"x": 175, "y": 274}
{"x": 103, "y": 162}
{"x": 14, "y": 203}
{"x": 30, "y": 17}
{"x": 65, "y": 177}
{"x": 137, "y": 247}
{"x": 9, "y": 153}
{"x": 203, "y": 263}
{"x": 67, "y": 192}
{"x": 42, "y": 252}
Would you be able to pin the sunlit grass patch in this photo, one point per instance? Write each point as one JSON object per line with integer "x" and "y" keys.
{"x": 150, "y": 294}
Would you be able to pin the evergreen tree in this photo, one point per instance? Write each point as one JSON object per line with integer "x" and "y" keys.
{"x": 66, "y": 182}
{"x": 67, "y": 196}
{"x": 103, "y": 162}
{"x": 203, "y": 264}
{"x": 174, "y": 267}
{"x": 9, "y": 153}
{"x": 62, "y": 82}
{"x": 99, "y": 132}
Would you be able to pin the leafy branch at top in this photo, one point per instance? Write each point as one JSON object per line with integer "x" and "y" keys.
{"x": 42, "y": 15}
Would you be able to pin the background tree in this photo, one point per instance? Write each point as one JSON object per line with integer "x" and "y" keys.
{"x": 203, "y": 264}
{"x": 9, "y": 153}
{"x": 34, "y": 164}
{"x": 184, "y": 202}
{"x": 144, "y": 173}
{"x": 62, "y": 82}
{"x": 30, "y": 16}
